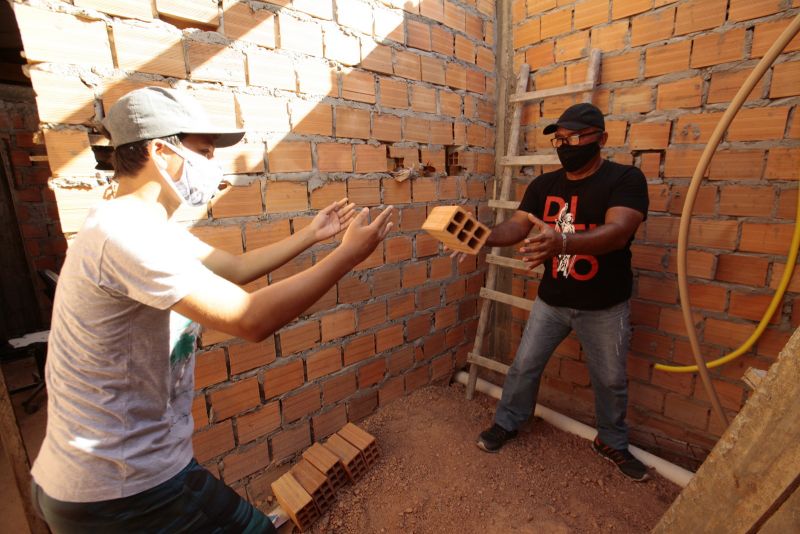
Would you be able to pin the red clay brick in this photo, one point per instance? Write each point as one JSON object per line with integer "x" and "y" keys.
{"x": 359, "y": 349}
{"x": 328, "y": 422}
{"x": 371, "y": 373}
{"x": 685, "y": 411}
{"x": 417, "y": 378}
{"x": 766, "y": 238}
{"x": 360, "y": 407}
{"x": 696, "y": 15}
{"x": 210, "y": 368}
{"x": 680, "y": 94}
{"x": 716, "y": 48}
{"x": 282, "y": 378}
{"x": 247, "y": 356}
{"x": 338, "y": 324}
{"x": 299, "y": 337}
{"x": 213, "y": 441}
{"x": 339, "y": 387}
{"x": 259, "y": 423}
{"x": 240, "y": 464}
{"x": 291, "y": 441}
{"x": 301, "y": 403}
{"x": 235, "y": 398}
{"x": 651, "y": 27}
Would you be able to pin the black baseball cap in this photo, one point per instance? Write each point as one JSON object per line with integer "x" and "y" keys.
{"x": 578, "y": 117}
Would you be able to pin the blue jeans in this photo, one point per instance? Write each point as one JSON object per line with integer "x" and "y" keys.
{"x": 191, "y": 501}
{"x": 605, "y": 337}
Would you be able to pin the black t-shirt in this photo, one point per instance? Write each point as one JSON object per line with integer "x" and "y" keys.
{"x": 582, "y": 281}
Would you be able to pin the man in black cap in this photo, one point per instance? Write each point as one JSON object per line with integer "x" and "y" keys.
{"x": 134, "y": 289}
{"x": 586, "y": 215}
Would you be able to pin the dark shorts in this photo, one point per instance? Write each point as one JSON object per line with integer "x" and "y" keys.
{"x": 191, "y": 501}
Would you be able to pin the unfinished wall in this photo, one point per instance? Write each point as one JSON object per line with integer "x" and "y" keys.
{"x": 31, "y": 217}
{"x": 333, "y": 95}
{"x": 669, "y": 70}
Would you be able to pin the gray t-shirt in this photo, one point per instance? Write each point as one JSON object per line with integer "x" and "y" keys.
{"x": 120, "y": 383}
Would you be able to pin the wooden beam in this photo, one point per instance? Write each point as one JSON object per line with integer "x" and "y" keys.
{"x": 18, "y": 458}
{"x": 519, "y": 161}
{"x": 555, "y": 91}
{"x": 504, "y": 204}
{"x": 505, "y": 298}
{"x": 513, "y": 263}
{"x": 494, "y": 365}
{"x": 755, "y": 467}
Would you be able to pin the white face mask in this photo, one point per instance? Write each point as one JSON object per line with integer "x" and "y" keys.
{"x": 200, "y": 177}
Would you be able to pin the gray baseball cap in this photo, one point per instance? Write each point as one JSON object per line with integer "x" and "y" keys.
{"x": 153, "y": 112}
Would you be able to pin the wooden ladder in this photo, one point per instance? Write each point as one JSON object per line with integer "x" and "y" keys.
{"x": 511, "y": 160}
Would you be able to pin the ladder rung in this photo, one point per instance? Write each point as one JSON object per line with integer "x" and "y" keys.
{"x": 518, "y": 161}
{"x": 504, "y": 261}
{"x": 504, "y": 204}
{"x": 487, "y": 363}
{"x": 544, "y": 93}
{"x": 505, "y": 298}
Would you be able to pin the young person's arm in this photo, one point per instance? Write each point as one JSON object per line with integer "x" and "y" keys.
{"x": 223, "y": 306}
{"x": 244, "y": 268}
{"x": 619, "y": 226}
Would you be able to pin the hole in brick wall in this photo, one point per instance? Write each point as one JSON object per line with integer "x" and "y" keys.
{"x": 452, "y": 227}
{"x": 458, "y": 217}
{"x": 188, "y": 24}
{"x": 451, "y": 160}
{"x": 103, "y": 152}
{"x": 472, "y": 243}
{"x": 479, "y": 232}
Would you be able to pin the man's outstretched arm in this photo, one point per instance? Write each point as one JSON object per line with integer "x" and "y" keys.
{"x": 244, "y": 268}
{"x": 223, "y": 306}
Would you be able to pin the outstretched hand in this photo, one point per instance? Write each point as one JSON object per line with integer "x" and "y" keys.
{"x": 362, "y": 237}
{"x": 332, "y": 219}
{"x": 542, "y": 246}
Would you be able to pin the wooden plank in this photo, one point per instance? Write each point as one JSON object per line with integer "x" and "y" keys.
{"x": 505, "y": 298}
{"x": 513, "y": 263}
{"x": 555, "y": 91}
{"x": 754, "y": 468}
{"x": 519, "y": 161}
{"x": 477, "y": 359}
{"x": 504, "y": 204}
{"x": 17, "y": 458}
{"x": 593, "y": 73}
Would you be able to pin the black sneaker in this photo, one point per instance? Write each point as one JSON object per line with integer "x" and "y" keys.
{"x": 493, "y": 439}
{"x": 623, "y": 459}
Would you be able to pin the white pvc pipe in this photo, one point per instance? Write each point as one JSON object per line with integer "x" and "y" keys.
{"x": 668, "y": 470}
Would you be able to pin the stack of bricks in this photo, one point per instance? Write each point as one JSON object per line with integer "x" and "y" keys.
{"x": 333, "y": 95}
{"x": 307, "y": 490}
{"x": 669, "y": 70}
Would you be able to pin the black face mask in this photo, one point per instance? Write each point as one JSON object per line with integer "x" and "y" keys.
{"x": 574, "y": 158}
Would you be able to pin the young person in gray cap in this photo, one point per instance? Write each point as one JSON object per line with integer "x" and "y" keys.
{"x": 117, "y": 456}
{"x": 586, "y": 214}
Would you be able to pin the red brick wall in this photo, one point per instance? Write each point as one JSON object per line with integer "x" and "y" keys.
{"x": 34, "y": 203}
{"x": 332, "y": 95}
{"x": 669, "y": 70}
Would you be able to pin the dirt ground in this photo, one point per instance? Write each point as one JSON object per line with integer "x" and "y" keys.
{"x": 431, "y": 477}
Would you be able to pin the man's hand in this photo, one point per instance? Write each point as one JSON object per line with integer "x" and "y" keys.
{"x": 542, "y": 246}
{"x": 361, "y": 238}
{"x": 332, "y": 219}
